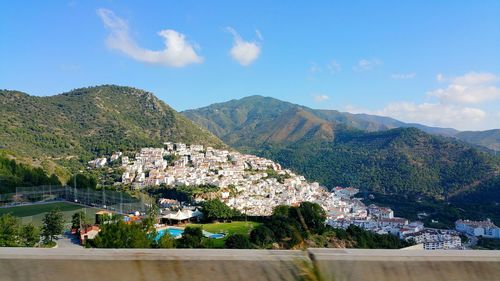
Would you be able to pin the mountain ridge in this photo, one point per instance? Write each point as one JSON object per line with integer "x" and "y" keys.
{"x": 361, "y": 121}
{"x": 88, "y": 122}
{"x": 339, "y": 149}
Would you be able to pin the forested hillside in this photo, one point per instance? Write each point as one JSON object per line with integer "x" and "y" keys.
{"x": 489, "y": 138}
{"x": 344, "y": 149}
{"x": 71, "y": 128}
{"x": 397, "y": 161}
{"x": 13, "y": 174}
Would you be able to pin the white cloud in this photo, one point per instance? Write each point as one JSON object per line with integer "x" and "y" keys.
{"x": 367, "y": 64}
{"x": 244, "y": 52}
{"x": 333, "y": 66}
{"x": 434, "y": 114}
{"x": 314, "y": 68}
{"x": 178, "y": 51}
{"x": 455, "y": 106}
{"x": 474, "y": 78}
{"x": 259, "y": 35}
{"x": 471, "y": 88}
{"x": 440, "y": 77}
{"x": 320, "y": 98}
{"x": 403, "y": 76}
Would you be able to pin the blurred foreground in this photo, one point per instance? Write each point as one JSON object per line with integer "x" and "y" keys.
{"x": 202, "y": 264}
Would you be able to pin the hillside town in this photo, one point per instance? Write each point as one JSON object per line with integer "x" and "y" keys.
{"x": 255, "y": 185}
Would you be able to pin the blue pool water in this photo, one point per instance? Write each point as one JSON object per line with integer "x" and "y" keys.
{"x": 176, "y": 233}
{"x": 216, "y": 236}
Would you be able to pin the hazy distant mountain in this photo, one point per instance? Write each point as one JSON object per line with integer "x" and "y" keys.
{"x": 91, "y": 121}
{"x": 489, "y": 138}
{"x": 339, "y": 148}
{"x": 236, "y": 116}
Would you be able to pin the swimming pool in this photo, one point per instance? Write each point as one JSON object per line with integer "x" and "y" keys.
{"x": 177, "y": 233}
{"x": 174, "y": 232}
{"x": 216, "y": 236}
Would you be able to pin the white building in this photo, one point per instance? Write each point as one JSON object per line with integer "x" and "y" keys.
{"x": 436, "y": 239}
{"x": 478, "y": 228}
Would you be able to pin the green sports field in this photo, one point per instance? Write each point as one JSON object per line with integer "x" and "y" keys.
{"x": 235, "y": 227}
{"x": 35, "y": 213}
{"x": 240, "y": 227}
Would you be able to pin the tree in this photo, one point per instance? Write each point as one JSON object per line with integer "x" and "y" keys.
{"x": 9, "y": 231}
{"x": 118, "y": 234}
{"x": 262, "y": 236}
{"x": 151, "y": 219}
{"x": 166, "y": 241}
{"x": 83, "y": 181}
{"x": 53, "y": 225}
{"x": 216, "y": 210}
{"x": 54, "y": 180}
{"x": 281, "y": 227}
{"x": 281, "y": 211}
{"x": 14, "y": 174}
{"x": 79, "y": 220}
{"x": 30, "y": 235}
{"x": 191, "y": 237}
{"x": 238, "y": 241}
{"x": 313, "y": 215}
{"x": 13, "y": 234}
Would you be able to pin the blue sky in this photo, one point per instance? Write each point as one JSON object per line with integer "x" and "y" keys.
{"x": 433, "y": 62}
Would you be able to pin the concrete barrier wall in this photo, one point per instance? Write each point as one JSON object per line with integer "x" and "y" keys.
{"x": 384, "y": 265}
{"x": 202, "y": 264}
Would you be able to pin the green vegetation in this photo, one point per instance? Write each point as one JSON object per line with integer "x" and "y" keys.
{"x": 290, "y": 225}
{"x": 14, "y": 234}
{"x": 400, "y": 161}
{"x": 229, "y": 228}
{"x": 369, "y": 240}
{"x": 434, "y": 213}
{"x": 79, "y": 220}
{"x": 31, "y": 210}
{"x": 13, "y": 174}
{"x": 481, "y": 202}
{"x": 171, "y": 158}
{"x": 183, "y": 193}
{"x": 303, "y": 226}
{"x": 53, "y": 225}
{"x": 65, "y": 131}
{"x": 488, "y": 243}
{"x": 235, "y": 227}
{"x": 35, "y": 213}
{"x": 191, "y": 238}
{"x": 341, "y": 149}
{"x": 30, "y": 235}
{"x": 166, "y": 242}
{"x": 275, "y": 175}
{"x": 83, "y": 181}
{"x": 489, "y": 138}
{"x": 288, "y": 228}
{"x": 118, "y": 234}
{"x": 238, "y": 241}
{"x": 262, "y": 236}
{"x": 216, "y": 210}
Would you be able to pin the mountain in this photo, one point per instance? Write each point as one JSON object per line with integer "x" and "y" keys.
{"x": 71, "y": 128}
{"x": 369, "y": 152}
{"x": 236, "y": 116}
{"x": 13, "y": 174}
{"x": 489, "y": 138}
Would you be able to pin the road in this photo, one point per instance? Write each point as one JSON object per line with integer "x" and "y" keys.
{"x": 68, "y": 241}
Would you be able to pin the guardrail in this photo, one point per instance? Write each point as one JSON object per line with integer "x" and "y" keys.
{"x": 29, "y": 264}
